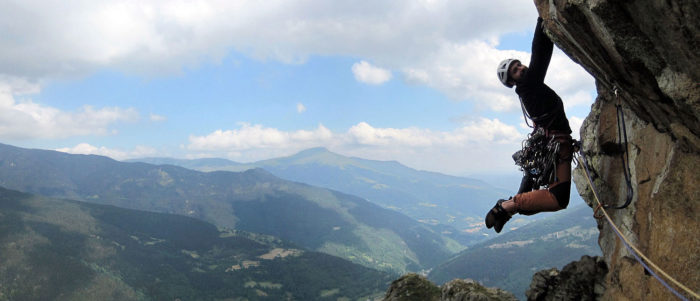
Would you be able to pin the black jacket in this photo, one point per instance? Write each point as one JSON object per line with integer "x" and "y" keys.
{"x": 543, "y": 105}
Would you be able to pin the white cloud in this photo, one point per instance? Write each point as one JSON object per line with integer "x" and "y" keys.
{"x": 482, "y": 144}
{"x": 567, "y": 77}
{"x": 579, "y": 98}
{"x": 448, "y": 45}
{"x": 256, "y": 137}
{"x": 157, "y": 118}
{"x": 26, "y": 119}
{"x": 367, "y": 73}
{"x": 12, "y": 85}
{"x": 87, "y": 149}
{"x": 467, "y": 71}
{"x": 364, "y": 134}
{"x": 475, "y": 132}
{"x": 575, "y": 123}
{"x": 301, "y": 108}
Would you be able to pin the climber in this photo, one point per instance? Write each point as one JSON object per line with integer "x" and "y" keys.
{"x": 544, "y": 107}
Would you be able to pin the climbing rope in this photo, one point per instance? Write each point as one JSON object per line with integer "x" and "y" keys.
{"x": 630, "y": 247}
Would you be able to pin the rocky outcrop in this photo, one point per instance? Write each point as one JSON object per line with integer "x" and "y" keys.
{"x": 579, "y": 280}
{"x": 648, "y": 52}
{"x": 470, "y": 290}
{"x": 413, "y": 287}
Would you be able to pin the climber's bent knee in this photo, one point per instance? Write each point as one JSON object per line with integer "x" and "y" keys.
{"x": 562, "y": 192}
{"x": 532, "y": 202}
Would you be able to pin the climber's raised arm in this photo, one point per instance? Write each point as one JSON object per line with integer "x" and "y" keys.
{"x": 542, "y": 48}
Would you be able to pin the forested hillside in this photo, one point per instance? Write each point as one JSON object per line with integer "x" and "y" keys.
{"x": 53, "y": 249}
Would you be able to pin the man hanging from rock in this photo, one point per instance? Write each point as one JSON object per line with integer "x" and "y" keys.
{"x": 546, "y": 156}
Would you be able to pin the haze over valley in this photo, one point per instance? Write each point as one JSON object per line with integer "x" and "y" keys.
{"x": 225, "y": 225}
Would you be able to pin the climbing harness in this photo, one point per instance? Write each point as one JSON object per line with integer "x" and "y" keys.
{"x": 539, "y": 154}
{"x": 525, "y": 114}
{"x": 539, "y": 157}
{"x": 638, "y": 255}
{"x": 536, "y": 120}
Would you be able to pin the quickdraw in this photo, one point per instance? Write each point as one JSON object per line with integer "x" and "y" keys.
{"x": 624, "y": 157}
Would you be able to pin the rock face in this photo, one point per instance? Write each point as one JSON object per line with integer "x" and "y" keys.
{"x": 413, "y": 287}
{"x": 579, "y": 280}
{"x": 648, "y": 50}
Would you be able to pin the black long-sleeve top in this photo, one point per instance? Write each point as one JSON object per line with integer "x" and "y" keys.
{"x": 541, "y": 102}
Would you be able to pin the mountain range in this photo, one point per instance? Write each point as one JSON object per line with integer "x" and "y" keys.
{"x": 56, "y": 249}
{"x": 451, "y": 205}
{"x": 256, "y": 201}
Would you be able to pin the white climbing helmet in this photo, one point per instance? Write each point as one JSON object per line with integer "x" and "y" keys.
{"x": 503, "y": 71}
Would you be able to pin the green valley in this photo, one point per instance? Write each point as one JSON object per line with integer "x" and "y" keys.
{"x": 53, "y": 249}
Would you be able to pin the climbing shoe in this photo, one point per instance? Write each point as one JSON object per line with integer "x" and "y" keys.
{"x": 497, "y": 217}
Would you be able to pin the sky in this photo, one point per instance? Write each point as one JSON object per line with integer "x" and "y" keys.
{"x": 411, "y": 81}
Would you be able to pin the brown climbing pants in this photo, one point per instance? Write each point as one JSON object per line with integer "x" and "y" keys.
{"x": 529, "y": 203}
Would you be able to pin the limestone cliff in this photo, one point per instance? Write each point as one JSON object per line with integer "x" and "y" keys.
{"x": 649, "y": 51}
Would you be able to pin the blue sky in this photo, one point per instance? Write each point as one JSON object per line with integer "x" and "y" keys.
{"x": 409, "y": 81}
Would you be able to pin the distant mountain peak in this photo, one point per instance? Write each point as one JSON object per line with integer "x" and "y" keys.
{"x": 317, "y": 155}
{"x": 313, "y": 151}
{"x": 257, "y": 171}
{"x": 319, "y": 149}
